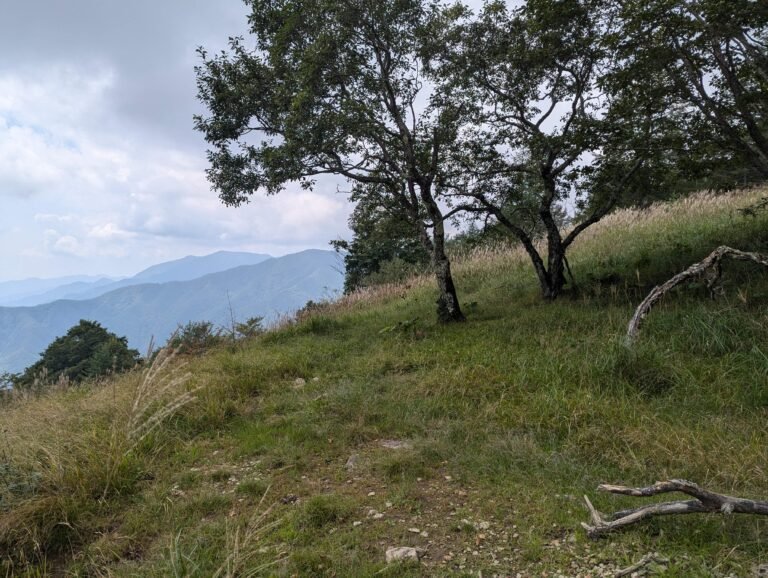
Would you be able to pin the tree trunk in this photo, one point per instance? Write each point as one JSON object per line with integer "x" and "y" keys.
{"x": 555, "y": 249}
{"x": 555, "y": 274}
{"x": 448, "y": 309}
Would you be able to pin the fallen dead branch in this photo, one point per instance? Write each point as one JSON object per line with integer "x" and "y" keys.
{"x": 704, "y": 502}
{"x": 709, "y": 269}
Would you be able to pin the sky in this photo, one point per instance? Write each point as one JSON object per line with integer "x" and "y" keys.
{"x": 101, "y": 171}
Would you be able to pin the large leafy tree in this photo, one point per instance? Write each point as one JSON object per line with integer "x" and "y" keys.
{"x": 547, "y": 130}
{"x": 87, "y": 350}
{"x": 710, "y": 57}
{"x": 382, "y": 234}
{"x": 334, "y": 87}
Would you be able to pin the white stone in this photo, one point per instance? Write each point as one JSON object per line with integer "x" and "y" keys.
{"x": 401, "y": 553}
{"x": 352, "y": 462}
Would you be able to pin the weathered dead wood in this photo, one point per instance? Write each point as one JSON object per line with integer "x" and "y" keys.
{"x": 704, "y": 502}
{"x": 709, "y": 266}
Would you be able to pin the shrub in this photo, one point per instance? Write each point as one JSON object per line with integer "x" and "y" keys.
{"x": 195, "y": 338}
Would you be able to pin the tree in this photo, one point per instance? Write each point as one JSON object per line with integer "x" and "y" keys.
{"x": 251, "y": 327}
{"x": 381, "y": 235}
{"x": 334, "y": 87}
{"x": 546, "y": 129}
{"x": 86, "y": 351}
{"x": 711, "y": 58}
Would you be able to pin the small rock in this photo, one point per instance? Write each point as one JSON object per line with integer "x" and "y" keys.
{"x": 388, "y": 504}
{"x": 371, "y": 494}
{"x": 378, "y": 516}
{"x": 299, "y": 382}
{"x": 315, "y": 379}
{"x": 356, "y": 523}
{"x": 352, "y": 462}
{"x": 401, "y": 553}
{"x": 414, "y": 530}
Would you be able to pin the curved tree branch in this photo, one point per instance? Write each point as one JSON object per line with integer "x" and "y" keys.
{"x": 709, "y": 265}
{"x": 704, "y": 501}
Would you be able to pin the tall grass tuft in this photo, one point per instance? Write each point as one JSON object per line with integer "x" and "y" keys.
{"x": 242, "y": 544}
{"x": 160, "y": 394}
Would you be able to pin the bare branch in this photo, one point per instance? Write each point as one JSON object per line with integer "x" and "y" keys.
{"x": 695, "y": 271}
{"x": 705, "y": 502}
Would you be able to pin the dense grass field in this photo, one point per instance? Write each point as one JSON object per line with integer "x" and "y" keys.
{"x": 364, "y": 425}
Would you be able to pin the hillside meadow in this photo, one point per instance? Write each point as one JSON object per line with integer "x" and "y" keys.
{"x": 363, "y": 425}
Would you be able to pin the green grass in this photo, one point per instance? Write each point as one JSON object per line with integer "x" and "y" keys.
{"x": 509, "y": 419}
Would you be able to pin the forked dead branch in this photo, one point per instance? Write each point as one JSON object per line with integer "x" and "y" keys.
{"x": 709, "y": 269}
{"x": 704, "y": 501}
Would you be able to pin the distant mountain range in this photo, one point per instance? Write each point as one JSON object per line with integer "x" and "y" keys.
{"x": 183, "y": 269}
{"x": 159, "y": 299}
{"x": 12, "y": 291}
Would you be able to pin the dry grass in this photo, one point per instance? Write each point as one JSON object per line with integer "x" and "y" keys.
{"x": 629, "y": 228}
{"x": 242, "y": 543}
{"x": 160, "y": 394}
{"x": 73, "y": 447}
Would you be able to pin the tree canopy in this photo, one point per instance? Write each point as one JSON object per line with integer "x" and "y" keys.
{"x": 382, "y": 236}
{"x": 334, "y": 87}
{"x": 539, "y": 117}
{"x": 87, "y": 350}
{"x": 709, "y": 60}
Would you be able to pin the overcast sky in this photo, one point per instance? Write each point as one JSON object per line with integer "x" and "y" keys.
{"x": 100, "y": 169}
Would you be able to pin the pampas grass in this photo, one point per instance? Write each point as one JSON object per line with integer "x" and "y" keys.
{"x": 242, "y": 544}
{"x": 160, "y": 394}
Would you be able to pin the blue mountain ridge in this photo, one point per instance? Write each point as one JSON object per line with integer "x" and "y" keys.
{"x": 184, "y": 269}
{"x": 140, "y": 312}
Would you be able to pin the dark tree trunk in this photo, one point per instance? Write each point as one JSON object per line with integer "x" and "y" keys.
{"x": 555, "y": 275}
{"x": 556, "y": 272}
{"x": 448, "y": 309}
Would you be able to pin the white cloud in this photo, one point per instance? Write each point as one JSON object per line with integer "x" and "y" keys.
{"x": 67, "y": 245}
{"x": 109, "y": 232}
{"x": 94, "y": 172}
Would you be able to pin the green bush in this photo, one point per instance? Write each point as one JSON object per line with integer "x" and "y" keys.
{"x": 87, "y": 350}
{"x": 195, "y": 338}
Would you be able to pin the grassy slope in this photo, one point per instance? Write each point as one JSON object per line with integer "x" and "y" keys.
{"x": 509, "y": 419}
